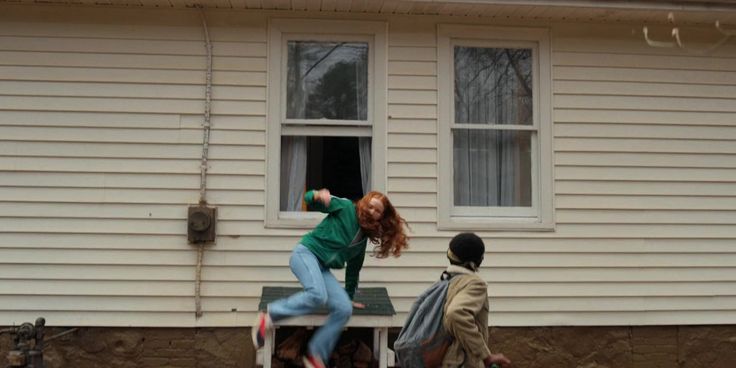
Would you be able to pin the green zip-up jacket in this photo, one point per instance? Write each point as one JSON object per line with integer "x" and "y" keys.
{"x": 338, "y": 240}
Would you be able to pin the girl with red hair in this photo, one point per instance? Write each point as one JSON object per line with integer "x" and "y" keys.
{"x": 339, "y": 241}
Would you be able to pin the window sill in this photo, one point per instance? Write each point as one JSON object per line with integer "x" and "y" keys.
{"x": 495, "y": 224}
{"x": 287, "y": 220}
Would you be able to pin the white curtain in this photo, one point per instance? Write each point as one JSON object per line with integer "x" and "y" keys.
{"x": 364, "y": 149}
{"x": 293, "y": 172}
{"x": 361, "y": 99}
{"x": 488, "y": 169}
{"x": 488, "y": 165}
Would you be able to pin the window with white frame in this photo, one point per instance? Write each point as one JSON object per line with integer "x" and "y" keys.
{"x": 495, "y": 138}
{"x": 326, "y": 122}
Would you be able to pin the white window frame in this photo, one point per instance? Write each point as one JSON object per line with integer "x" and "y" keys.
{"x": 280, "y": 32}
{"x": 540, "y": 217}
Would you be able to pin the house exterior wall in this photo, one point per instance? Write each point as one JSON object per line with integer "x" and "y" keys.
{"x": 100, "y": 145}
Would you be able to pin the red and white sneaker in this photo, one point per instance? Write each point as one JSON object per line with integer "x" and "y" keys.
{"x": 260, "y": 329}
{"x": 311, "y": 361}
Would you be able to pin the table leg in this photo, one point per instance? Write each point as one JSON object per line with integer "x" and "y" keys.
{"x": 383, "y": 349}
{"x": 376, "y": 344}
{"x": 267, "y": 350}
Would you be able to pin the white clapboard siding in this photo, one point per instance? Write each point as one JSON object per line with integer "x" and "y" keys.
{"x": 123, "y": 105}
{"x": 130, "y": 46}
{"x": 117, "y": 75}
{"x": 613, "y": 130}
{"x": 431, "y": 246}
{"x": 174, "y": 26}
{"x": 90, "y": 211}
{"x": 100, "y": 149}
{"x": 246, "y": 257}
{"x": 130, "y": 180}
{"x": 651, "y": 75}
{"x": 412, "y": 125}
{"x": 673, "y": 90}
{"x": 128, "y": 150}
{"x": 586, "y": 144}
{"x": 585, "y": 115}
{"x": 133, "y": 60}
{"x": 415, "y": 185}
{"x": 646, "y": 216}
{"x": 620, "y": 60}
{"x": 160, "y": 304}
{"x": 373, "y": 274}
{"x": 126, "y": 135}
{"x": 252, "y": 289}
{"x": 132, "y": 90}
{"x": 647, "y": 160}
{"x": 647, "y": 173}
{"x": 625, "y": 187}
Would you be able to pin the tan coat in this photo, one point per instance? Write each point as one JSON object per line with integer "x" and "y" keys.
{"x": 466, "y": 319}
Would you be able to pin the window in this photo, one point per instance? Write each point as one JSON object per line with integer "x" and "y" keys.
{"x": 495, "y": 140}
{"x": 326, "y": 122}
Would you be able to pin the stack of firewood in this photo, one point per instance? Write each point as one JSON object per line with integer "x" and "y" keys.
{"x": 349, "y": 353}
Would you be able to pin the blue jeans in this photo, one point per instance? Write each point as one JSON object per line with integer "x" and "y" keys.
{"x": 321, "y": 288}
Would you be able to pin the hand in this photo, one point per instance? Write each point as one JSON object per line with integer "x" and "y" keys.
{"x": 357, "y": 305}
{"x": 323, "y": 195}
{"x": 499, "y": 359}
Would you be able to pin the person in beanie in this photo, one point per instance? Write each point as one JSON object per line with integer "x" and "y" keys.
{"x": 466, "y": 307}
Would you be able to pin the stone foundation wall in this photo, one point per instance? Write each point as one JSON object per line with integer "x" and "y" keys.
{"x": 530, "y": 347}
{"x": 145, "y": 348}
{"x": 618, "y": 347}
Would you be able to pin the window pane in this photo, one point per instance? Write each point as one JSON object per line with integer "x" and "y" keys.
{"x": 341, "y": 164}
{"x": 492, "y": 168}
{"x": 327, "y": 80}
{"x": 493, "y": 86}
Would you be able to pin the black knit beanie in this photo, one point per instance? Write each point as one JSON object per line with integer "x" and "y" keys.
{"x": 467, "y": 248}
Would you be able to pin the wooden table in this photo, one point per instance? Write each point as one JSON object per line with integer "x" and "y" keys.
{"x": 377, "y": 315}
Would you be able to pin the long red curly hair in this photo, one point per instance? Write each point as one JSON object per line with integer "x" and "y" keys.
{"x": 388, "y": 233}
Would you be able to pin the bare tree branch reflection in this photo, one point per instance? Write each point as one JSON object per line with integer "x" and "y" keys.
{"x": 492, "y": 85}
{"x": 327, "y": 80}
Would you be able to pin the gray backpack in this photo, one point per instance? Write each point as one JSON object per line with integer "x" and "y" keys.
{"x": 423, "y": 341}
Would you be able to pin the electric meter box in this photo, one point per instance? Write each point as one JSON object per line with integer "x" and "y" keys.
{"x": 201, "y": 224}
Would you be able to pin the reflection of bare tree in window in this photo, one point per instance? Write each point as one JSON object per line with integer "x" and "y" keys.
{"x": 327, "y": 80}
{"x": 493, "y": 85}
{"x": 334, "y": 95}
